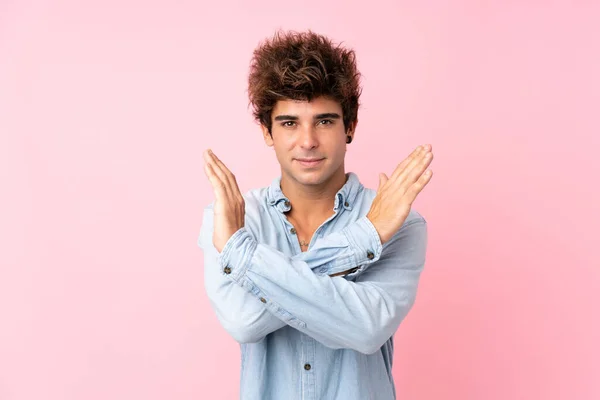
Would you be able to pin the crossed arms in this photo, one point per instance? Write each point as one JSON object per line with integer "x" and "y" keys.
{"x": 255, "y": 289}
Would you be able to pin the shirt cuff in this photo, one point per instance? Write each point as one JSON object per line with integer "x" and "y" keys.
{"x": 365, "y": 243}
{"x": 237, "y": 254}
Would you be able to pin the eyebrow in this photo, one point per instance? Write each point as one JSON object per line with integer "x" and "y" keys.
{"x": 318, "y": 116}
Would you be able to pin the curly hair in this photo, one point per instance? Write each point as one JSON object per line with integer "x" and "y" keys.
{"x": 302, "y": 66}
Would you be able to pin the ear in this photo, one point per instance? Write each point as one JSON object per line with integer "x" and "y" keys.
{"x": 267, "y": 136}
{"x": 351, "y": 129}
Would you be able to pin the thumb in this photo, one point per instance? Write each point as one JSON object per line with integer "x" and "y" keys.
{"x": 382, "y": 180}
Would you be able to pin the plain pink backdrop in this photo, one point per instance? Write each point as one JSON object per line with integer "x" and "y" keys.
{"x": 106, "y": 107}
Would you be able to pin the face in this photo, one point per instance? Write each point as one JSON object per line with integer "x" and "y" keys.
{"x": 309, "y": 140}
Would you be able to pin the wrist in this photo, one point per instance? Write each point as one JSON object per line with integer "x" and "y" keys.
{"x": 375, "y": 224}
{"x": 220, "y": 239}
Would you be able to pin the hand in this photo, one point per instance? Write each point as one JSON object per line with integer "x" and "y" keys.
{"x": 229, "y": 207}
{"x": 395, "y": 195}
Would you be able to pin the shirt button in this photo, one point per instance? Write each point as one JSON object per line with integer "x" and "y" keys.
{"x": 307, "y": 367}
{"x": 287, "y": 203}
{"x": 370, "y": 255}
{"x": 227, "y": 270}
{"x": 293, "y": 231}
{"x": 263, "y": 300}
{"x": 346, "y": 204}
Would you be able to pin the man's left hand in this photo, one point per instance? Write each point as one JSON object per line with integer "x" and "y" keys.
{"x": 229, "y": 207}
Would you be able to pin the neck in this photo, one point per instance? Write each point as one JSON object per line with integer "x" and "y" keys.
{"x": 312, "y": 204}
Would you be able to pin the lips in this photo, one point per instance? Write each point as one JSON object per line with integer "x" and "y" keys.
{"x": 309, "y": 162}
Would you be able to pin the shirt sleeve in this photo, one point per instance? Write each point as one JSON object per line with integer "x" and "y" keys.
{"x": 340, "y": 313}
{"x": 244, "y": 313}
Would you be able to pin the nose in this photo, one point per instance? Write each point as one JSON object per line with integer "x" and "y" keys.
{"x": 308, "y": 138}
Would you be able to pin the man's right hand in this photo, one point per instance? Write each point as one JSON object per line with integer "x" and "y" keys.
{"x": 395, "y": 194}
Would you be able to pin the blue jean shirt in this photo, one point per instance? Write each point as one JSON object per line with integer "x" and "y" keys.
{"x": 305, "y": 334}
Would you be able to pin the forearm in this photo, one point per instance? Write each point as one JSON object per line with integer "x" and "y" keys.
{"x": 241, "y": 312}
{"x": 337, "y": 312}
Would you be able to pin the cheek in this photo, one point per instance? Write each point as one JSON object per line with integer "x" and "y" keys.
{"x": 283, "y": 144}
{"x": 340, "y": 152}
{"x": 281, "y": 150}
{"x": 337, "y": 148}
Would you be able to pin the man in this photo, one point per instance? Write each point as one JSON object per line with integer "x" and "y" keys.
{"x": 313, "y": 274}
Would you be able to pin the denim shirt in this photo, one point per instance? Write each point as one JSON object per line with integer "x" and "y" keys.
{"x": 305, "y": 334}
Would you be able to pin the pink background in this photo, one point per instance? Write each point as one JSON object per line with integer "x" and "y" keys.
{"x": 106, "y": 107}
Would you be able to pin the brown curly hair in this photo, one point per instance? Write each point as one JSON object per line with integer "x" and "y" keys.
{"x": 302, "y": 66}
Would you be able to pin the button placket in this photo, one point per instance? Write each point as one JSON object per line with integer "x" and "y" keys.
{"x": 309, "y": 357}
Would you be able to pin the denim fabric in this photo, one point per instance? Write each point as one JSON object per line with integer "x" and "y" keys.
{"x": 303, "y": 333}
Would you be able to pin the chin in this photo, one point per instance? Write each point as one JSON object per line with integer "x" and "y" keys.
{"x": 308, "y": 178}
{"x": 312, "y": 181}
{"x": 313, "y": 178}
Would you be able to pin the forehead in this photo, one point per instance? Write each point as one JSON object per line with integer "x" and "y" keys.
{"x": 303, "y": 108}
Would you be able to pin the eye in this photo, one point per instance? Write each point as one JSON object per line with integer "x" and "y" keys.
{"x": 327, "y": 121}
{"x": 287, "y": 122}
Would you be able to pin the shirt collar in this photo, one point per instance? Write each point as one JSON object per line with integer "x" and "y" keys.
{"x": 345, "y": 197}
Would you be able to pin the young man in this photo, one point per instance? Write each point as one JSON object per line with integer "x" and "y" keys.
{"x": 313, "y": 274}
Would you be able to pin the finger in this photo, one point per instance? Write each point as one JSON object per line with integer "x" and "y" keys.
{"x": 216, "y": 183}
{"x": 415, "y": 168}
{"x": 230, "y": 177}
{"x": 216, "y": 168}
{"x": 406, "y": 161}
{"x": 382, "y": 180}
{"x": 225, "y": 173}
{"x": 416, "y": 188}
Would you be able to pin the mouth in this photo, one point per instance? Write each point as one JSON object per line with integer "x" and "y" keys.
{"x": 309, "y": 162}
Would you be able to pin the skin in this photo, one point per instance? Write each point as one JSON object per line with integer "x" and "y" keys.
{"x": 310, "y": 144}
{"x": 303, "y": 131}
